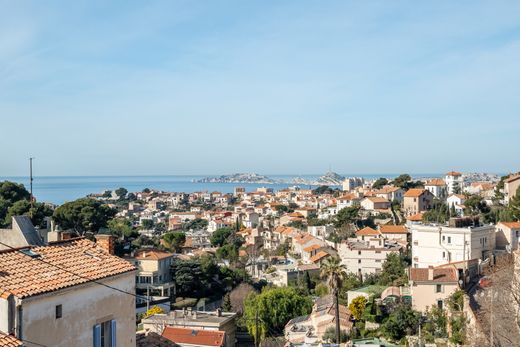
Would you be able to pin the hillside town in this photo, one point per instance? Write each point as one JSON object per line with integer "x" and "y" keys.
{"x": 393, "y": 261}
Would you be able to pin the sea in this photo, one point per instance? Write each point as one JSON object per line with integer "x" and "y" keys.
{"x": 60, "y": 189}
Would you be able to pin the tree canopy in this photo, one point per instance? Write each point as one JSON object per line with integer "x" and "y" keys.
{"x": 275, "y": 306}
{"x": 174, "y": 241}
{"x": 83, "y": 215}
{"x": 380, "y": 183}
{"x": 219, "y": 236}
{"x": 15, "y": 201}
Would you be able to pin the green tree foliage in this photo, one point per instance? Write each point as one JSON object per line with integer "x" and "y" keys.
{"x": 394, "y": 270}
{"x": 121, "y": 227}
{"x": 196, "y": 224}
{"x": 401, "y": 322}
{"x": 83, "y": 215}
{"x": 282, "y": 249}
{"x": 281, "y": 208}
{"x": 13, "y": 192}
{"x": 219, "y": 236}
{"x": 439, "y": 213}
{"x": 380, "y": 183}
{"x": 321, "y": 289}
{"x": 514, "y": 207}
{"x": 147, "y": 224}
{"x": 475, "y": 206}
{"x": 458, "y": 330}
{"x": 435, "y": 325}
{"x": 346, "y": 216}
{"x": 330, "y": 335}
{"x": 275, "y": 307}
{"x": 121, "y": 192}
{"x": 201, "y": 277}
{"x": 174, "y": 241}
{"x": 335, "y": 273}
{"x": 405, "y": 182}
{"x": 23, "y": 207}
{"x": 324, "y": 190}
{"x": 357, "y": 307}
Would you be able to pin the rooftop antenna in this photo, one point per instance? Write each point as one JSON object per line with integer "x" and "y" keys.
{"x": 31, "y": 182}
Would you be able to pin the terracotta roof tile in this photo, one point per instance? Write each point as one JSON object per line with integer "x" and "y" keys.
{"x": 436, "y": 182}
{"x": 367, "y": 231}
{"x": 454, "y": 173}
{"x": 414, "y": 193}
{"x": 318, "y": 256}
{"x": 393, "y": 229}
{"x": 194, "y": 337}
{"x": 23, "y": 275}
{"x": 9, "y": 341}
{"x": 416, "y": 217}
{"x": 152, "y": 254}
{"x": 439, "y": 275}
{"x": 512, "y": 178}
{"x": 511, "y": 225}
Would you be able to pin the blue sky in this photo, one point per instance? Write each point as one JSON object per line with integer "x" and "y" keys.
{"x": 213, "y": 87}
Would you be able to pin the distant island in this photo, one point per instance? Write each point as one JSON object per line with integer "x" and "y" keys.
{"x": 330, "y": 178}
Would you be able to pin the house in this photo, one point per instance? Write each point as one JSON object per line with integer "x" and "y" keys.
{"x": 186, "y": 337}
{"x": 374, "y": 203}
{"x": 391, "y": 193}
{"x": 508, "y": 236}
{"x": 310, "y": 328}
{"x": 437, "y": 187}
{"x": 217, "y": 322}
{"x": 417, "y": 200}
{"x": 216, "y": 224}
{"x": 347, "y": 200}
{"x": 432, "y": 286}
{"x": 321, "y": 231}
{"x": 456, "y": 202}
{"x": 68, "y": 293}
{"x": 153, "y": 273}
{"x": 351, "y": 183}
{"x": 368, "y": 233}
{"x": 366, "y": 257}
{"x": 394, "y": 232}
{"x": 454, "y": 182}
{"x": 434, "y": 245}
{"x": 511, "y": 185}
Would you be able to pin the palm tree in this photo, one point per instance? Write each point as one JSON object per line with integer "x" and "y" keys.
{"x": 335, "y": 272}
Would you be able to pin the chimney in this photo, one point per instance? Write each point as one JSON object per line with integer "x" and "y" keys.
{"x": 106, "y": 242}
{"x": 430, "y": 273}
{"x": 219, "y": 312}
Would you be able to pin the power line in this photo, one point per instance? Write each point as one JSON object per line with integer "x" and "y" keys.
{"x": 78, "y": 275}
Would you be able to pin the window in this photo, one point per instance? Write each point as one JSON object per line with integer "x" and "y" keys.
{"x": 359, "y": 252}
{"x": 359, "y": 261}
{"x": 378, "y": 260}
{"x": 438, "y": 288}
{"x": 449, "y": 239}
{"x": 105, "y": 334}
{"x": 443, "y": 255}
{"x": 443, "y": 238}
{"x": 439, "y": 304}
{"x": 58, "y": 311}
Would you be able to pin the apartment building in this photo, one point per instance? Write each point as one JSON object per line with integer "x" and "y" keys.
{"x": 366, "y": 254}
{"x": 434, "y": 245}
{"x": 454, "y": 182}
{"x": 511, "y": 185}
{"x": 437, "y": 187}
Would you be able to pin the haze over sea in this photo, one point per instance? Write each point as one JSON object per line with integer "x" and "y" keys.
{"x": 59, "y": 189}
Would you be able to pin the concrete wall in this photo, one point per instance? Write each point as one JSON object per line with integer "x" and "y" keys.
{"x": 83, "y": 307}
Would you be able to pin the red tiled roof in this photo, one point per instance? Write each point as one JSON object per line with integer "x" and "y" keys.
{"x": 23, "y": 275}
{"x": 454, "y": 173}
{"x": 9, "y": 341}
{"x": 194, "y": 337}
{"x": 152, "y": 254}
{"x": 367, "y": 231}
{"x": 312, "y": 248}
{"x": 393, "y": 229}
{"x": 436, "y": 182}
{"x": 414, "y": 193}
{"x": 416, "y": 217}
{"x": 439, "y": 275}
{"x": 511, "y": 225}
{"x": 318, "y": 256}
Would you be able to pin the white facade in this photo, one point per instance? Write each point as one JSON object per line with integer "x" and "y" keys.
{"x": 452, "y": 179}
{"x": 436, "y": 245}
{"x": 352, "y": 183}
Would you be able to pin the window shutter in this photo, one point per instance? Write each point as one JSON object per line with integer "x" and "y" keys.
{"x": 113, "y": 333}
{"x": 97, "y": 335}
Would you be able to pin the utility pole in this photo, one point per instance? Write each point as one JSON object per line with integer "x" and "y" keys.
{"x": 31, "y": 182}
